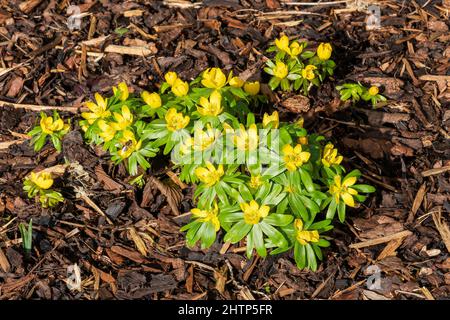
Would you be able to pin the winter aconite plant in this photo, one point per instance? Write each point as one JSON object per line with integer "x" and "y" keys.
{"x": 52, "y": 127}
{"x": 356, "y": 92}
{"x": 37, "y": 185}
{"x": 296, "y": 68}
{"x": 269, "y": 185}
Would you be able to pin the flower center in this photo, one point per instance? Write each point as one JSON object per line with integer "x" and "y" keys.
{"x": 251, "y": 216}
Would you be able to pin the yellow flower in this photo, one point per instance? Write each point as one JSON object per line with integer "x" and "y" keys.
{"x": 211, "y": 107}
{"x": 255, "y": 182}
{"x": 175, "y": 120}
{"x": 252, "y": 88}
{"x": 180, "y": 88}
{"x": 373, "y": 91}
{"x": 123, "y": 119}
{"x": 124, "y": 93}
{"x": 43, "y": 180}
{"x": 170, "y": 77}
{"x": 342, "y": 190}
{"x": 49, "y": 126}
{"x": 294, "y": 157}
{"x": 151, "y": 99}
{"x": 253, "y": 212}
{"x": 209, "y": 175}
{"x": 129, "y": 144}
{"x": 246, "y": 140}
{"x": 303, "y": 140}
{"x": 107, "y": 131}
{"x": 204, "y": 139}
{"x": 324, "y": 51}
{"x": 330, "y": 156}
{"x": 281, "y": 70}
{"x": 272, "y": 119}
{"x": 308, "y": 72}
{"x": 98, "y": 111}
{"x": 305, "y": 236}
{"x": 236, "y": 82}
{"x": 282, "y": 43}
{"x": 208, "y": 215}
{"x": 295, "y": 49}
{"x": 213, "y": 78}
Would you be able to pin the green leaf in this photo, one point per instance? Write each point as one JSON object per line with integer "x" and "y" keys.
{"x": 319, "y": 225}
{"x": 299, "y": 255}
{"x": 208, "y": 235}
{"x": 331, "y": 209}
{"x": 298, "y": 207}
{"x": 311, "y": 205}
{"x": 365, "y": 188}
{"x": 323, "y": 243}
{"x": 259, "y": 240}
{"x": 353, "y": 173}
{"x": 341, "y": 211}
{"x": 311, "y": 257}
{"x": 278, "y": 220}
{"x": 121, "y": 31}
{"x": 317, "y": 251}
{"x": 273, "y": 234}
{"x": 237, "y": 232}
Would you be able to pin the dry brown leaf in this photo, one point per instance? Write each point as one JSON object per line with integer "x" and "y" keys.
{"x": 109, "y": 183}
{"x": 15, "y": 87}
{"x": 297, "y": 104}
{"x": 190, "y": 280}
{"x": 132, "y": 255}
{"x": 4, "y": 263}
{"x": 171, "y": 192}
{"x": 221, "y": 279}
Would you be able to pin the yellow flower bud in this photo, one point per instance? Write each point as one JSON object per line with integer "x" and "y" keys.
{"x": 170, "y": 77}
{"x": 42, "y": 180}
{"x": 282, "y": 43}
{"x": 252, "y": 88}
{"x": 324, "y": 51}
{"x": 373, "y": 91}
{"x": 180, "y": 88}
{"x": 236, "y": 82}
{"x": 151, "y": 99}
{"x": 124, "y": 92}
{"x": 213, "y": 78}
{"x": 272, "y": 119}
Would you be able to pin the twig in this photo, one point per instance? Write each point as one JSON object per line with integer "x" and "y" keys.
{"x": 442, "y": 227}
{"x": 39, "y": 108}
{"x": 7, "y": 144}
{"x": 91, "y": 203}
{"x": 431, "y": 77}
{"x": 433, "y": 172}
{"x": 329, "y": 3}
{"x": 384, "y": 239}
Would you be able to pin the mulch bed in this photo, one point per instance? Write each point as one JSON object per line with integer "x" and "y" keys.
{"x": 126, "y": 243}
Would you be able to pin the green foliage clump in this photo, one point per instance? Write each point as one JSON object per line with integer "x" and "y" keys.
{"x": 270, "y": 183}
